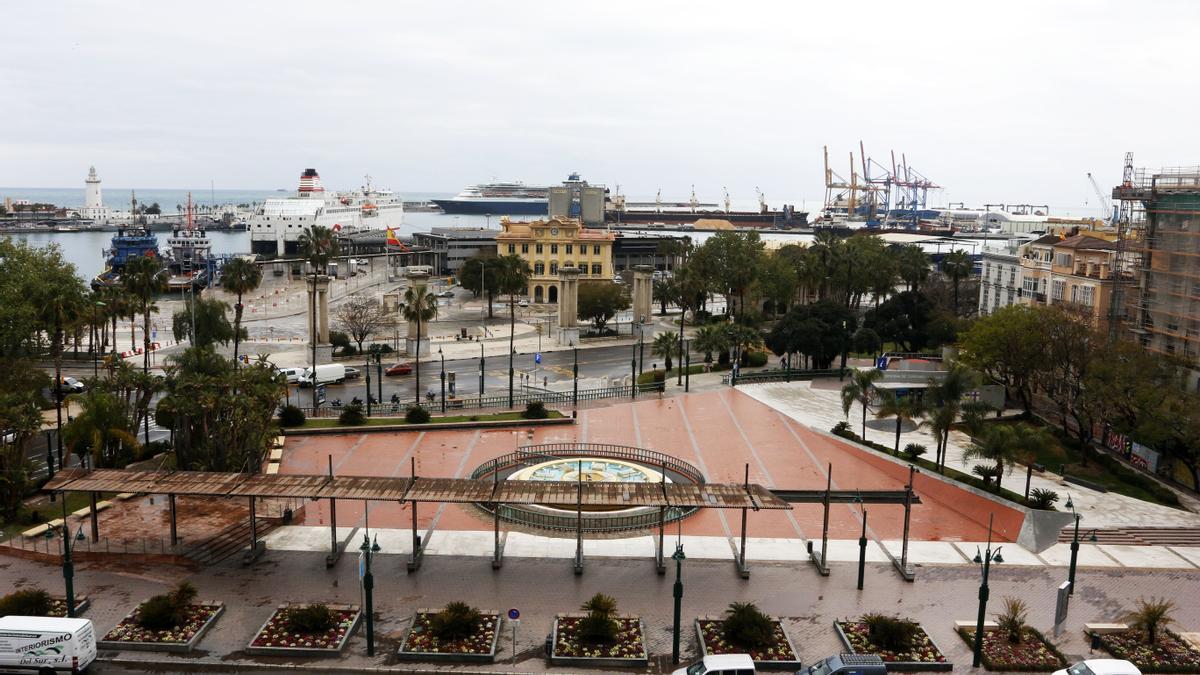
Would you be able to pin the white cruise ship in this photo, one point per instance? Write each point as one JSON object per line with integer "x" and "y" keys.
{"x": 275, "y": 228}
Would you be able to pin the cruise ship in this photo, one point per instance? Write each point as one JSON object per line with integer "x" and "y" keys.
{"x": 275, "y": 228}
{"x": 504, "y": 199}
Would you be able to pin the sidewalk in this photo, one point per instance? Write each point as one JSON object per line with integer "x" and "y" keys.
{"x": 821, "y": 408}
{"x": 541, "y": 588}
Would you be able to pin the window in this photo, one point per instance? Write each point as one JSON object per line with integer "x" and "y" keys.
{"x": 596, "y": 249}
{"x": 512, "y": 248}
{"x": 595, "y": 269}
{"x": 538, "y": 248}
{"x": 524, "y": 248}
{"x": 1057, "y": 289}
{"x": 539, "y": 267}
{"x": 1082, "y": 295}
{"x": 1062, "y": 259}
{"x": 569, "y": 249}
{"x": 583, "y": 270}
{"x": 553, "y": 248}
{"x": 553, "y": 267}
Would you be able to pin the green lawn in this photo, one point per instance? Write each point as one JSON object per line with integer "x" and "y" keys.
{"x": 1100, "y": 469}
{"x": 47, "y": 510}
{"x": 329, "y": 422}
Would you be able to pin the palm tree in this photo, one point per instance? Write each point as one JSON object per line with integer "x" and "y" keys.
{"x": 143, "y": 279}
{"x": 419, "y": 304}
{"x": 957, "y": 265}
{"x": 665, "y": 344}
{"x": 1005, "y": 445}
{"x": 105, "y": 430}
{"x": 318, "y": 246}
{"x": 858, "y": 390}
{"x": 1151, "y": 615}
{"x": 512, "y": 278}
{"x": 710, "y": 338}
{"x": 239, "y": 276}
{"x": 946, "y": 394}
{"x": 913, "y": 266}
{"x": 904, "y": 409}
{"x": 59, "y": 306}
{"x": 1013, "y": 619}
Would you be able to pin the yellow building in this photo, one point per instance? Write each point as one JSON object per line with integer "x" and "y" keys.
{"x": 557, "y": 242}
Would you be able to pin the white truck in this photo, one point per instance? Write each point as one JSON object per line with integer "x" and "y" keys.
{"x": 46, "y": 645}
{"x": 329, "y": 373}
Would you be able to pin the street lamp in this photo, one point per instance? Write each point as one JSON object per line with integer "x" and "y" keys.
{"x": 68, "y": 567}
{"x": 1075, "y": 543}
{"x": 511, "y": 353}
{"x": 575, "y": 377}
{"x": 443, "y": 376}
{"x": 95, "y": 332}
{"x": 678, "y": 557}
{"x": 984, "y": 560}
{"x": 367, "y": 381}
{"x": 862, "y": 543}
{"x": 369, "y": 549}
{"x": 481, "y": 366}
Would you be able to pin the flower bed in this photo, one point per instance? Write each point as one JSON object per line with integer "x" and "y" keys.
{"x": 198, "y": 618}
{"x": 421, "y": 644}
{"x": 628, "y": 650}
{"x": 58, "y": 606}
{"x": 274, "y": 638}
{"x": 780, "y": 655}
{"x": 925, "y": 655}
{"x": 1170, "y": 654}
{"x": 1032, "y": 654}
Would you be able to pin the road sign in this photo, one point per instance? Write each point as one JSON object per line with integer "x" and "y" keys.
{"x": 537, "y": 358}
{"x": 320, "y": 394}
{"x": 362, "y": 565}
{"x": 514, "y": 614}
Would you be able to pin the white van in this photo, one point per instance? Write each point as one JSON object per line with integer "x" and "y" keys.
{"x": 292, "y": 374}
{"x": 46, "y": 644}
{"x": 720, "y": 664}
{"x": 326, "y": 374}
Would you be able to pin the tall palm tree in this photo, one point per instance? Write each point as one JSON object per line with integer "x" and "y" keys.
{"x": 904, "y": 409}
{"x": 318, "y": 246}
{"x": 665, "y": 344}
{"x": 512, "y": 278}
{"x": 913, "y": 266}
{"x": 59, "y": 306}
{"x": 105, "y": 429}
{"x": 710, "y": 338}
{"x": 419, "y": 304}
{"x": 946, "y": 395}
{"x": 957, "y": 265}
{"x": 858, "y": 390}
{"x": 1006, "y": 445}
{"x": 143, "y": 279}
{"x": 239, "y": 276}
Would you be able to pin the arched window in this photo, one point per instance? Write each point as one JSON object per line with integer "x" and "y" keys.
{"x": 552, "y": 295}
{"x": 537, "y": 294}
{"x": 539, "y": 268}
{"x": 553, "y": 268}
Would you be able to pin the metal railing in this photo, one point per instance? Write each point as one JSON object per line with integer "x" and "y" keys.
{"x": 519, "y": 400}
{"x": 780, "y": 376}
{"x": 136, "y": 545}
{"x": 528, "y": 455}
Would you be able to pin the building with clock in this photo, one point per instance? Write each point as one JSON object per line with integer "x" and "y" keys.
{"x": 548, "y": 245}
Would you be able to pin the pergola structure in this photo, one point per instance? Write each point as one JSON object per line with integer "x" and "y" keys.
{"x": 745, "y": 496}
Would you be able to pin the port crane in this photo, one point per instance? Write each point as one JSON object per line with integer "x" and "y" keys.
{"x": 1110, "y": 216}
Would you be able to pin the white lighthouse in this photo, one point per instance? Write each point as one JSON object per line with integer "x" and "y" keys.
{"x": 93, "y": 204}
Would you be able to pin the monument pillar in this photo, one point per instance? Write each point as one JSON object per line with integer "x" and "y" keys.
{"x": 417, "y": 278}
{"x": 643, "y": 296}
{"x": 321, "y": 307}
{"x": 568, "y": 306}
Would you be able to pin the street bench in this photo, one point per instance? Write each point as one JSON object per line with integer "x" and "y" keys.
{"x": 272, "y": 468}
{"x": 1104, "y": 628}
{"x": 970, "y": 625}
{"x": 87, "y": 510}
{"x": 276, "y": 454}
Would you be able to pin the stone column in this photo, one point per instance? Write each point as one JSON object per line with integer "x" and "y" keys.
{"x": 643, "y": 294}
{"x": 568, "y": 305}
{"x": 321, "y": 306}
{"x": 417, "y": 278}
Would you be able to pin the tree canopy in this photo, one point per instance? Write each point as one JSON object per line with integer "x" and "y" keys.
{"x": 599, "y": 301}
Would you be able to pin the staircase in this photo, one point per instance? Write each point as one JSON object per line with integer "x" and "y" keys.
{"x": 228, "y": 542}
{"x": 1138, "y": 536}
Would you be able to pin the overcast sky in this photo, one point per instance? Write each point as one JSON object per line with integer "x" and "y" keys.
{"x": 997, "y": 101}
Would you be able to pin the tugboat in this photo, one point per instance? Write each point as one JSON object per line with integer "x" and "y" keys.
{"x": 189, "y": 256}
{"x": 127, "y": 244}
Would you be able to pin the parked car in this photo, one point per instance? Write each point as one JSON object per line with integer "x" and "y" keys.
{"x": 399, "y": 369}
{"x": 70, "y": 385}
{"x": 352, "y": 373}
{"x": 292, "y": 374}
{"x": 446, "y": 294}
{"x": 523, "y": 303}
{"x": 1101, "y": 667}
{"x": 720, "y": 664}
{"x": 848, "y": 664}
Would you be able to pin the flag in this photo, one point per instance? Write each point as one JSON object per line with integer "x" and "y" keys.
{"x": 392, "y": 240}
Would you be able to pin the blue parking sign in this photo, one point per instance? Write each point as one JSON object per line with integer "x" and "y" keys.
{"x": 537, "y": 358}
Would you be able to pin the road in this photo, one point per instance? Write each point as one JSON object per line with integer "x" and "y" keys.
{"x": 555, "y": 367}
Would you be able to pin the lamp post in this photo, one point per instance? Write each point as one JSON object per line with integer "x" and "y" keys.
{"x": 379, "y": 376}
{"x": 678, "y": 557}
{"x": 641, "y": 344}
{"x": 862, "y": 544}
{"x": 68, "y": 567}
{"x": 443, "y": 376}
{"x": 95, "y": 333}
{"x": 367, "y": 381}
{"x": 1075, "y": 543}
{"x": 633, "y": 372}
{"x": 511, "y": 353}
{"x": 845, "y": 347}
{"x": 687, "y": 368}
{"x": 369, "y": 549}
{"x": 575, "y": 377}
{"x": 481, "y": 366}
{"x": 984, "y": 560}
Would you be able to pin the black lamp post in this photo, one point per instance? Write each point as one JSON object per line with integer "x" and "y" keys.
{"x": 862, "y": 544}
{"x": 443, "y": 376}
{"x": 633, "y": 372}
{"x": 984, "y": 560}
{"x": 511, "y": 353}
{"x": 641, "y": 344}
{"x": 1075, "y": 543}
{"x": 367, "y": 381}
{"x": 678, "y": 557}
{"x": 481, "y": 366}
{"x": 68, "y": 567}
{"x": 575, "y": 377}
{"x": 369, "y": 549}
{"x": 95, "y": 333}
{"x": 687, "y": 368}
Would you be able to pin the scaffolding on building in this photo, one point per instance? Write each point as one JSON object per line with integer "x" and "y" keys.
{"x": 1159, "y": 242}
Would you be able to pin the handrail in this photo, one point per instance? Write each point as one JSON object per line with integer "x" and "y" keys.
{"x": 533, "y": 454}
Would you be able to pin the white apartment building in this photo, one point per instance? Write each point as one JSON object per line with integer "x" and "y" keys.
{"x": 1000, "y": 281}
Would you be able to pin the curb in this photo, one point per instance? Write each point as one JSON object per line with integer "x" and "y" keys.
{"x": 366, "y": 429}
{"x": 250, "y": 666}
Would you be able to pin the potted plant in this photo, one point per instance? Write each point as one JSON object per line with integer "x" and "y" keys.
{"x": 172, "y": 621}
{"x": 744, "y": 629}
{"x": 457, "y": 632}
{"x": 598, "y": 637}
